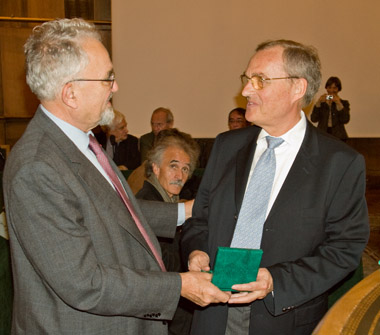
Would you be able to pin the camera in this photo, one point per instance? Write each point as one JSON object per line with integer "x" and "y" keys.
{"x": 329, "y": 97}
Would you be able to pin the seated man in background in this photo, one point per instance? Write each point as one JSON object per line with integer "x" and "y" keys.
{"x": 119, "y": 145}
{"x": 236, "y": 119}
{"x": 162, "y": 118}
{"x": 170, "y": 163}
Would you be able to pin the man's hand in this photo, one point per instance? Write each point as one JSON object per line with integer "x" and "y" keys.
{"x": 197, "y": 287}
{"x": 254, "y": 290}
{"x": 189, "y": 208}
{"x": 198, "y": 261}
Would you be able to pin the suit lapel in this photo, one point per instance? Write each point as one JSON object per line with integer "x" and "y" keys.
{"x": 99, "y": 186}
{"x": 301, "y": 170}
{"x": 102, "y": 193}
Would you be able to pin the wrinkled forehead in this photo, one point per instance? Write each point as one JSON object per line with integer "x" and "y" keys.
{"x": 176, "y": 154}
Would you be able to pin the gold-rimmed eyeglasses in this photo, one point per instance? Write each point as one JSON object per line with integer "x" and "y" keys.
{"x": 258, "y": 81}
{"x": 110, "y": 80}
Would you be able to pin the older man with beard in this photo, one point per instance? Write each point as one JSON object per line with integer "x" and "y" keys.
{"x": 170, "y": 164}
{"x": 85, "y": 257}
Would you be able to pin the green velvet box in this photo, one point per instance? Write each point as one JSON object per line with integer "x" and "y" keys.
{"x": 235, "y": 266}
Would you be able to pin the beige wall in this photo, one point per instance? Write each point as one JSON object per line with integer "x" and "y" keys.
{"x": 188, "y": 55}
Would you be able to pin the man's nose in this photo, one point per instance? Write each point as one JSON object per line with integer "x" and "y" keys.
{"x": 247, "y": 89}
{"x": 179, "y": 175}
{"x": 115, "y": 86}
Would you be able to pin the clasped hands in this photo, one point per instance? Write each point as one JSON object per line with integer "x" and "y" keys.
{"x": 249, "y": 292}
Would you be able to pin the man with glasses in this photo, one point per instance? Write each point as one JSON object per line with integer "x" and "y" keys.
{"x": 162, "y": 118}
{"x": 312, "y": 224}
{"x": 236, "y": 119}
{"x": 84, "y": 253}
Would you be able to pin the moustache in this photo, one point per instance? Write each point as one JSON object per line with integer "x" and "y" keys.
{"x": 177, "y": 182}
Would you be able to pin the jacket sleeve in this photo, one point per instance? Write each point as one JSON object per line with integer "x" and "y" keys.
{"x": 344, "y": 114}
{"x": 315, "y": 115}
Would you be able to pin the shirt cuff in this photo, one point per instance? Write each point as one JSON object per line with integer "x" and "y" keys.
{"x": 181, "y": 214}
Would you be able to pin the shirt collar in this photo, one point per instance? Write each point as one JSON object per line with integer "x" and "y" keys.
{"x": 77, "y": 136}
{"x": 294, "y": 135}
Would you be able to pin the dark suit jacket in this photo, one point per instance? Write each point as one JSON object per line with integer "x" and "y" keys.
{"x": 80, "y": 264}
{"x": 146, "y": 143}
{"x": 125, "y": 152}
{"x": 338, "y": 118}
{"x": 312, "y": 238}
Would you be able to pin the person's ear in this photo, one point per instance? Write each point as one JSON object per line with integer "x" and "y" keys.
{"x": 68, "y": 96}
{"x": 156, "y": 169}
{"x": 300, "y": 86}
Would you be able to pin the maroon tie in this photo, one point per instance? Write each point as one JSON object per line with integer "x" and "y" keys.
{"x": 102, "y": 158}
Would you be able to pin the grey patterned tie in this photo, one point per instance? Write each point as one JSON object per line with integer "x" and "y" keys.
{"x": 249, "y": 227}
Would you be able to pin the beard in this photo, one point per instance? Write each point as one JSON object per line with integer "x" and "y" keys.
{"x": 107, "y": 116}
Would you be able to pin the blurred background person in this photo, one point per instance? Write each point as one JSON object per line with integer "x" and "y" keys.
{"x": 119, "y": 145}
{"x": 236, "y": 119}
{"x": 162, "y": 118}
{"x": 169, "y": 165}
{"x": 330, "y": 111}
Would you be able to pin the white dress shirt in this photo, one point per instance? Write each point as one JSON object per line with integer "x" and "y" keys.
{"x": 285, "y": 155}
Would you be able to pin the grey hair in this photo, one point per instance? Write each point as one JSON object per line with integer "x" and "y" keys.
{"x": 168, "y": 138}
{"x": 54, "y": 55}
{"x": 300, "y": 61}
{"x": 167, "y": 111}
{"x": 118, "y": 117}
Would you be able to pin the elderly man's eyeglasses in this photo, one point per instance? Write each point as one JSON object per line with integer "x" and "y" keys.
{"x": 110, "y": 80}
{"x": 258, "y": 81}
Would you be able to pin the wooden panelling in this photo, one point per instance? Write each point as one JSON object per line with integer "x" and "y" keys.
{"x": 18, "y": 100}
{"x": 32, "y": 8}
{"x": 370, "y": 149}
{"x": 102, "y": 10}
{"x": 46, "y": 8}
{"x": 14, "y": 128}
{"x": 17, "y": 19}
{"x": 79, "y": 8}
{"x": 13, "y": 8}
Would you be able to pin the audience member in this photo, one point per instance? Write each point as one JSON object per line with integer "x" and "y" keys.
{"x": 236, "y": 119}
{"x": 162, "y": 118}
{"x": 287, "y": 188}
{"x": 330, "y": 111}
{"x": 169, "y": 165}
{"x": 85, "y": 257}
{"x": 119, "y": 145}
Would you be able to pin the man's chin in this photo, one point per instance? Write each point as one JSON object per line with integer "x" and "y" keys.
{"x": 107, "y": 117}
